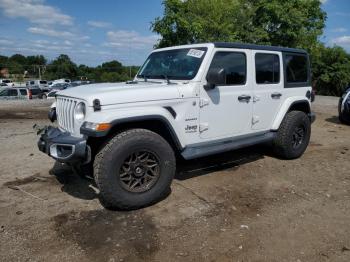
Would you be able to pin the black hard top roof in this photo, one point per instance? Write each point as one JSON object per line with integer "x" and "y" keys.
{"x": 258, "y": 47}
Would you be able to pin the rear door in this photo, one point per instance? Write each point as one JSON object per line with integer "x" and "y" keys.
{"x": 268, "y": 85}
{"x": 226, "y": 110}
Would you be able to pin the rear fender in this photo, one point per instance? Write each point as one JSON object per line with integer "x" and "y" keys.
{"x": 300, "y": 102}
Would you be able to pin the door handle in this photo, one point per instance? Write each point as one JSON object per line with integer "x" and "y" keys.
{"x": 276, "y": 95}
{"x": 244, "y": 98}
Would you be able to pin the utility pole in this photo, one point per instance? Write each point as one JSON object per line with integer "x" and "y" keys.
{"x": 39, "y": 73}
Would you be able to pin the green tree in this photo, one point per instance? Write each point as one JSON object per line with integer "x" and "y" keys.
{"x": 3, "y": 61}
{"x": 113, "y": 77}
{"x": 294, "y": 23}
{"x": 112, "y": 66}
{"x": 61, "y": 67}
{"x": 331, "y": 70}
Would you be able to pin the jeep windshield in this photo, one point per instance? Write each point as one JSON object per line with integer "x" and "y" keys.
{"x": 178, "y": 64}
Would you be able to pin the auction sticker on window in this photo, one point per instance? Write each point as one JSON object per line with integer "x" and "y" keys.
{"x": 195, "y": 53}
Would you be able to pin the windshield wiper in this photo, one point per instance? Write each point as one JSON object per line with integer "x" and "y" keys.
{"x": 167, "y": 79}
{"x": 144, "y": 77}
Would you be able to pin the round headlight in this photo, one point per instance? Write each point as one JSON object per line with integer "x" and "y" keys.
{"x": 79, "y": 112}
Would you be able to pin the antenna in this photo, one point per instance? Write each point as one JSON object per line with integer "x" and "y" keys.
{"x": 129, "y": 55}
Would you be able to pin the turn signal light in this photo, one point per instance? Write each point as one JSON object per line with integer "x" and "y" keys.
{"x": 103, "y": 127}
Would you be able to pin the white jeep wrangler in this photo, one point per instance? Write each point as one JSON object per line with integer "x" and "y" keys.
{"x": 190, "y": 101}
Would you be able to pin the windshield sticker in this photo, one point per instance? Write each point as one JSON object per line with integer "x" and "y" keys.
{"x": 195, "y": 53}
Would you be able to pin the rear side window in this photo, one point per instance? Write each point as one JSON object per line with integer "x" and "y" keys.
{"x": 23, "y": 92}
{"x": 43, "y": 82}
{"x": 296, "y": 68}
{"x": 12, "y": 92}
{"x": 4, "y": 92}
{"x": 267, "y": 68}
{"x": 235, "y": 66}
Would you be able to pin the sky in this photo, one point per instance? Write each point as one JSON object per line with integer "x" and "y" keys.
{"x": 92, "y": 32}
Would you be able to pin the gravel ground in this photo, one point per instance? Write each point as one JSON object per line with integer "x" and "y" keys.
{"x": 240, "y": 206}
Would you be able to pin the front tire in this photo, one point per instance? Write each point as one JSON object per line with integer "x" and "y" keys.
{"x": 134, "y": 169}
{"x": 293, "y": 136}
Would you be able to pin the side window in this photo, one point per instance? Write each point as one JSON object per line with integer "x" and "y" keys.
{"x": 235, "y": 66}
{"x": 267, "y": 68}
{"x": 32, "y": 82}
{"x": 4, "y": 92}
{"x": 12, "y": 92}
{"x": 296, "y": 68}
{"x": 23, "y": 92}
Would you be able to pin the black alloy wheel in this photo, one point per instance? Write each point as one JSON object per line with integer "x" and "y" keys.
{"x": 139, "y": 172}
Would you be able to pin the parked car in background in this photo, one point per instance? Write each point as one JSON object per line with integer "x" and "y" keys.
{"x": 344, "y": 107}
{"x": 19, "y": 93}
{"x": 59, "y": 81}
{"x": 42, "y": 84}
{"x": 80, "y": 83}
{"x": 60, "y": 86}
{"x": 6, "y": 82}
{"x": 51, "y": 94}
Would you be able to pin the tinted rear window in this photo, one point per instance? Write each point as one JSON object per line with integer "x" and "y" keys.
{"x": 43, "y": 82}
{"x": 23, "y": 92}
{"x": 296, "y": 68}
{"x": 12, "y": 92}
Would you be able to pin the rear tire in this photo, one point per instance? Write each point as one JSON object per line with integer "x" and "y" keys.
{"x": 293, "y": 136}
{"x": 134, "y": 169}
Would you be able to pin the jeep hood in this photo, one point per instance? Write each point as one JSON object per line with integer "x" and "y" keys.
{"x": 117, "y": 93}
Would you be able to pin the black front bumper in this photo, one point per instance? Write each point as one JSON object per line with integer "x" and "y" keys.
{"x": 63, "y": 147}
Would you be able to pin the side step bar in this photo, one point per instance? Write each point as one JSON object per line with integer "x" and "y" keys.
{"x": 205, "y": 149}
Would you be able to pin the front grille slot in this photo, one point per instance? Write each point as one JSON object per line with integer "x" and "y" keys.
{"x": 65, "y": 113}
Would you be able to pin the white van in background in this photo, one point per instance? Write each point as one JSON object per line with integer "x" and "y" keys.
{"x": 42, "y": 84}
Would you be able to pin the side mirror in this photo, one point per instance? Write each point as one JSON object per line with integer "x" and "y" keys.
{"x": 215, "y": 77}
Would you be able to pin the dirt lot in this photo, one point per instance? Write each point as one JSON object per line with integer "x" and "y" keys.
{"x": 241, "y": 206}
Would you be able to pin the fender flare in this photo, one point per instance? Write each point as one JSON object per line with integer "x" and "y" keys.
{"x": 134, "y": 119}
{"x": 285, "y": 108}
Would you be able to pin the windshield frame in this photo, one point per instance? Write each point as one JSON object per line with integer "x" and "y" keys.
{"x": 169, "y": 77}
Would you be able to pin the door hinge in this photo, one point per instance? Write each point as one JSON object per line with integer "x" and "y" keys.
{"x": 203, "y": 127}
{"x": 203, "y": 102}
{"x": 255, "y": 120}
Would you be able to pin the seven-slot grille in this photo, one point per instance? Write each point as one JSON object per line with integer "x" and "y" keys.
{"x": 65, "y": 113}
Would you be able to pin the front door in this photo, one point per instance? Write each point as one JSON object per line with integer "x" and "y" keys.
{"x": 226, "y": 110}
{"x": 268, "y": 88}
